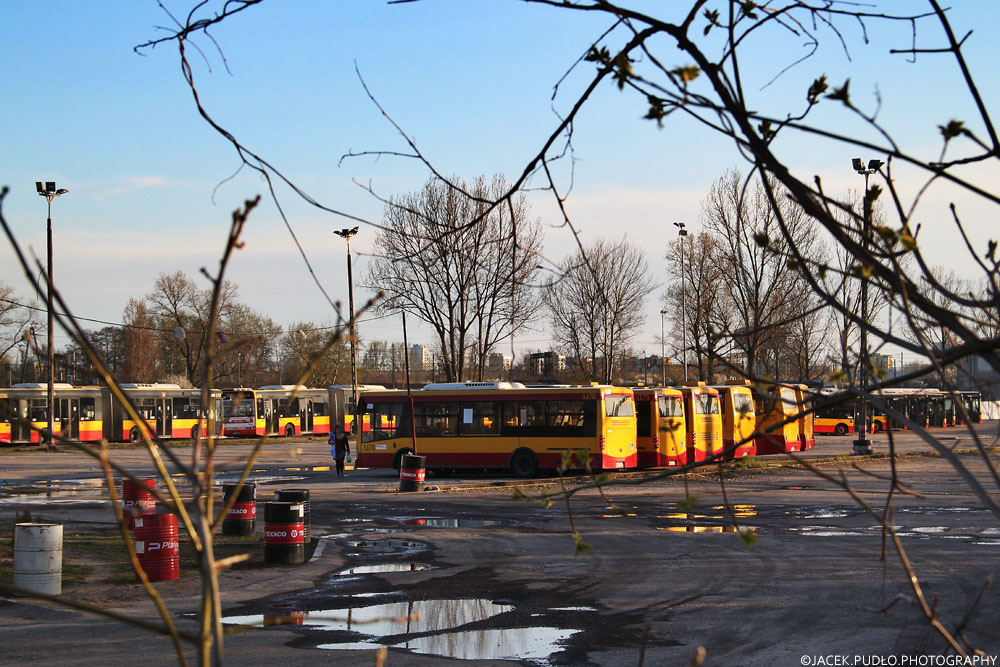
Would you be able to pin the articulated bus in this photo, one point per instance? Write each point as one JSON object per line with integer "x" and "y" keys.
{"x": 704, "y": 421}
{"x": 661, "y": 429}
{"x": 738, "y": 419}
{"x": 164, "y": 409}
{"x": 499, "y": 425}
{"x": 275, "y": 410}
{"x": 89, "y": 414}
{"x": 777, "y": 404}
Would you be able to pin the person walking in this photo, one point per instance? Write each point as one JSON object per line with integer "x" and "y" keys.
{"x": 340, "y": 448}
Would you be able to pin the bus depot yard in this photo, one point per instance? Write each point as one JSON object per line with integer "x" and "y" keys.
{"x": 790, "y": 567}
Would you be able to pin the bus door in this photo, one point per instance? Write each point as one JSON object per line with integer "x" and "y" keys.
{"x": 273, "y": 410}
{"x": 20, "y": 429}
{"x": 164, "y": 418}
{"x": 68, "y": 411}
{"x": 306, "y": 416}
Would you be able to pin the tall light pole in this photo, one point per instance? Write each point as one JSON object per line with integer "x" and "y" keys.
{"x": 862, "y": 446}
{"x": 49, "y": 191}
{"x": 681, "y": 232}
{"x": 347, "y": 235}
{"x": 663, "y": 356}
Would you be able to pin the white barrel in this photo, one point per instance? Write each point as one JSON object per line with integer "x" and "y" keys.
{"x": 38, "y": 557}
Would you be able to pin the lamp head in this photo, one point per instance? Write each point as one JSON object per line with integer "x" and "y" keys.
{"x": 859, "y": 166}
{"x": 61, "y": 191}
{"x": 873, "y": 165}
{"x": 40, "y": 187}
{"x": 50, "y": 186}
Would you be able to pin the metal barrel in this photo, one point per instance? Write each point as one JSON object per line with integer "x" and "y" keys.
{"x": 284, "y": 542}
{"x": 412, "y": 473}
{"x": 297, "y": 496}
{"x": 136, "y": 499}
{"x": 157, "y": 546}
{"x": 241, "y": 517}
{"x": 38, "y": 557}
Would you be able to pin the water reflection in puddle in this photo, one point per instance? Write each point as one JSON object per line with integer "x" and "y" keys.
{"x": 382, "y": 568}
{"x": 436, "y": 620}
{"x": 451, "y": 523}
{"x": 535, "y": 643}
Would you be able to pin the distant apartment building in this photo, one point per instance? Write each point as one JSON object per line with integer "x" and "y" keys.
{"x": 421, "y": 358}
{"x": 498, "y": 361}
{"x": 544, "y": 363}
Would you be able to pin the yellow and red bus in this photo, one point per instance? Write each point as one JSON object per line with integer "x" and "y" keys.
{"x": 89, "y": 414}
{"x": 834, "y": 419}
{"x": 738, "y": 419}
{"x": 500, "y": 425}
{"x": 275, "y": 410}
{"x": 703, "y": 411}
{"x": 777, "y": 411}
{"x": 165, "y": 410}
{"x": 661, "y": 428}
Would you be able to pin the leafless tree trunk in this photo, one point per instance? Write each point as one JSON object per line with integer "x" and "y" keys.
{"x": 459, "y": 266}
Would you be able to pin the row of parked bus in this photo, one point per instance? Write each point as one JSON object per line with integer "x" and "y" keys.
{"x": 929, "y": 408}
{"x": 91, "y": 414}
{"x": 528, "y": 428}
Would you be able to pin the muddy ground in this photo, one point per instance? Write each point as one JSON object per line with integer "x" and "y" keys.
{"x": 469, "y": 572}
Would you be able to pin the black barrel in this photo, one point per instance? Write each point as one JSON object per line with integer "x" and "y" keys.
{"x": 296, "y": 496}
{"x": 241, "y": 518}
{"x": 284, "y": 542}
{"x": 412, "y": 472}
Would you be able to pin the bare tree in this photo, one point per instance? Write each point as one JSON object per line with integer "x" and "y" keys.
{"x": 597, "y": 304}
{"x": 753, "y": 256}
{"x": 707, "y": 313}
{"x": 181, "y": 312}
{"x": 139, "y": 339}
{"x": 460, "y": 266}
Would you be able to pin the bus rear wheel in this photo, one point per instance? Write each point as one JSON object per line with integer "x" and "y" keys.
{"x": 289, "y": 430}
{"x": 133, "y": 435}
{"x": 397, "y": 461}
{"x": 876, "y": 426}
{"x": 524, "y": 464}
{"x": 840, "y": 429}
{"x": 194, "y": 432}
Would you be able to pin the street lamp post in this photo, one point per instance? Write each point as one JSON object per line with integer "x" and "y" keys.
{"x": 347, "y": 235}
{"x": 682, "y": 232}
{"x": 862, "y": 446}
{"x": 49, "y": 191}
{"x": 663, "y": 364}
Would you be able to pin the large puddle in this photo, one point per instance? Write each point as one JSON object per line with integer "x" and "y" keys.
{"x": 429, "y": 627}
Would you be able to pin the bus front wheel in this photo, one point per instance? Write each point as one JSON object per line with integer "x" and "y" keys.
{"x": 840, "y": 429}
{"x": 133, "y": 435}
{"x": 289, "y": 430}
{"x": 876, "y": 426}
{"x": 524, "y": 464}
{"x": 194, "y": 432}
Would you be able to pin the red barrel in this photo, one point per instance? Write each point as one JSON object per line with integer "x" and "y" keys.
{"x": 284, "y": 539}
{"x": 297, "y": 496}
{"x": 137, "y": 499}
{"x": 157, "y": 546}
{"x": 412, "y": 472}
{"x": 240, "y": 519}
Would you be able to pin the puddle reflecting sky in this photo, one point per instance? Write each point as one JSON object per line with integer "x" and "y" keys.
{"x": 436, "y": 620}
{"x": 383, "y": 567}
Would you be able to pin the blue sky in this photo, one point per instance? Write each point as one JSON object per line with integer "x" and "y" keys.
{"x": 471, "y": 82}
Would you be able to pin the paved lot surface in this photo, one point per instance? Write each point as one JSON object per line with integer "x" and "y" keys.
{"x": 469, "y": 572}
